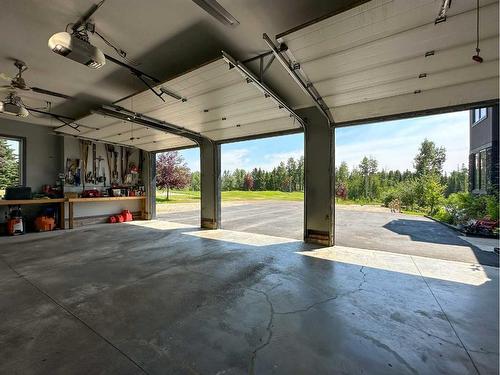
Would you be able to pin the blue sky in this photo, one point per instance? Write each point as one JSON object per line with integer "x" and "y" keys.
{"x": 394, "y": 144}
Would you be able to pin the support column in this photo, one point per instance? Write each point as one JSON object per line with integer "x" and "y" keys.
{"x": 319, "y": 172}
{"x": 149, "y": 181}
{"x": 210, "y": 184}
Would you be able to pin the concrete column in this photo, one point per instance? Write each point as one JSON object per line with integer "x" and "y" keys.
{"x": 210, "y": 184}
{"x": 319, "y": 192}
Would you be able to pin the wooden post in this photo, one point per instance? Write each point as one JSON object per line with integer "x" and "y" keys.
{"x": 70, "y": 207}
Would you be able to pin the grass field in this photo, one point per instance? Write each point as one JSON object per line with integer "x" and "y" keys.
{"x": 185, "y": 196}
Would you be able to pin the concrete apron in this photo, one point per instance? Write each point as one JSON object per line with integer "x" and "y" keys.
{"x": 158, "y": 297}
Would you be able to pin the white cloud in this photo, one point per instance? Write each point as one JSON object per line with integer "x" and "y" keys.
{"x": 245, "y": 159}
{"x": 272, "y": 160}
{"x": 237, "y": 158}
{"x": 395, "y": 146}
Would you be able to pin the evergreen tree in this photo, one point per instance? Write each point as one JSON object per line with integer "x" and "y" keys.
{"x": 9, "y": 166}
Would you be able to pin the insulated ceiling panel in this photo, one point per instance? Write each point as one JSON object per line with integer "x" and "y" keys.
{"x": 217, "y": 101}
{"x": 387, "y": 57}
{"x": 108, "y": 129}
{"x": 213, "y": 101}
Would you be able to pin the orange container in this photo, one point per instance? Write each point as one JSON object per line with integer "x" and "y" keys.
{"x": 44, "y": 223}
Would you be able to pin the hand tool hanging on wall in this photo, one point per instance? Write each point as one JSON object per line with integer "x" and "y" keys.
{"x": 94, "y": 163}
{"x": 141, "y": 163}
{"x": 122, "y": 169}
{"x": 116, "y": 178}
{"x": 84, "y": 151}
{"x": 100, "y": 177}
{"x": 128, "y": 176}
{"x": 110, "y": 150}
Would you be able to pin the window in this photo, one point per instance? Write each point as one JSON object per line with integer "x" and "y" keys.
{"x": 11, "y": 171}
{"x": 476, "y": 172}
{"x": 479, "y": 114}
{"x": 480, "y": 172}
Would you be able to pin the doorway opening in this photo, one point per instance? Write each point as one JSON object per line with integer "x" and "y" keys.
{"x": 262, "y": 183}
{"x": 178, "y": 186}
{"x": 404, "y": 187}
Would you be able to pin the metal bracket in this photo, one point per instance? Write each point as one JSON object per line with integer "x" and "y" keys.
{"x": 150, "y": 122}
{"x": 260, "y": 85}
{"x": 307, "y": 87}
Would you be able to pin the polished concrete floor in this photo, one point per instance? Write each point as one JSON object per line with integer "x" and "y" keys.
{"x": 164, "y": 298}
{"x": 373, "y": 228}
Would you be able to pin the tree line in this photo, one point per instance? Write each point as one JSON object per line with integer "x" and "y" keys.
{"x": 286, "y": 177}
{"x": 422, "y": 188}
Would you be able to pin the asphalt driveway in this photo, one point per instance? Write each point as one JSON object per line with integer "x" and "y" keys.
{"x": 373, "y": 228}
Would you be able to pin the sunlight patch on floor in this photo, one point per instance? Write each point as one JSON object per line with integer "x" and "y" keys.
{"x": 459, "y": 272}
{"x": 241, "y": 238}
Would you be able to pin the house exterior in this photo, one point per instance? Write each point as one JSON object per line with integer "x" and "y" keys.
{"x": 483, "y": 150}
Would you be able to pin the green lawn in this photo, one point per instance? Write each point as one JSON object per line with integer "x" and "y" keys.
{"x": 184, "y": 196}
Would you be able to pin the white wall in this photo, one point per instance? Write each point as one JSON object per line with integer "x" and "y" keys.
{"x": 43, "y": 151}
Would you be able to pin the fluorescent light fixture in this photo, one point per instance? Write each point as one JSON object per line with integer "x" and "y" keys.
{"x": 217, "y": 11}
{"x": 445, "y": 5}
{"x": 171, "y": 94}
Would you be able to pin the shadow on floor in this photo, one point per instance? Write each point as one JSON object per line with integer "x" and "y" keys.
{"x": 432, "y": 232}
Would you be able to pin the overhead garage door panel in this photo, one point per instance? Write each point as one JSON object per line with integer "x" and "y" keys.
{"x": 108, "y": 129}
{"x": 216, "y": 98}
{"x": 252, "y": 129}
{"x": 434, "y": 99}
{"x": 369, "y": 58}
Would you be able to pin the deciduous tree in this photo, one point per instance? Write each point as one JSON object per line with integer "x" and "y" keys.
{"x": 171, "y": 172}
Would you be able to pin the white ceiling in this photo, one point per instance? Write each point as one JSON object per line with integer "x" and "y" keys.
{"x": 219, "y": 104}
{"x": 365, "y": 63}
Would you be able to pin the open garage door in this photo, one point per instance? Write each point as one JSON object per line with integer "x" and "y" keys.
{"x": 262, "y": 183}
{"x": 218, "y": 101}
{"x": 409, "y": 186}
{"x": 385, "y": 58}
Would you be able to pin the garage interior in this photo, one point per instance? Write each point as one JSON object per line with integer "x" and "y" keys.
{"x": 155, "y": 297}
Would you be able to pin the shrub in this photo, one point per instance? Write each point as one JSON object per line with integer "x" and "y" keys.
{"x": 443, "y": 215}
{"x": 390, "y": 195}
{"x": 492, "y": 206}
{"x": 463, "y": 207}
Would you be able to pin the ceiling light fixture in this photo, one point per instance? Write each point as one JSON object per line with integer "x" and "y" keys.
{"x": 172, "y": 94}
{"x": 13, "y": 105}
{"x": 217, "y": 11}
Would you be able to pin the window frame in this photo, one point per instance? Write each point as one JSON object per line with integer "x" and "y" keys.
{"x": 483, "y": 174}
{"x": 476, "y": 172}
{"x": 22, "y": 155}
{"x": 479, "y": 114}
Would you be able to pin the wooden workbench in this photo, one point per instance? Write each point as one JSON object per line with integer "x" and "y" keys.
{"x": 26, "y": 202}
{"x": 72, "y": 201}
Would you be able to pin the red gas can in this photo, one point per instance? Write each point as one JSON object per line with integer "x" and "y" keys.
{"x": 127, "y": 215}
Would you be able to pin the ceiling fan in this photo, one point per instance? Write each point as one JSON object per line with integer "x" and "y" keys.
{"x": 18, "y": 83}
